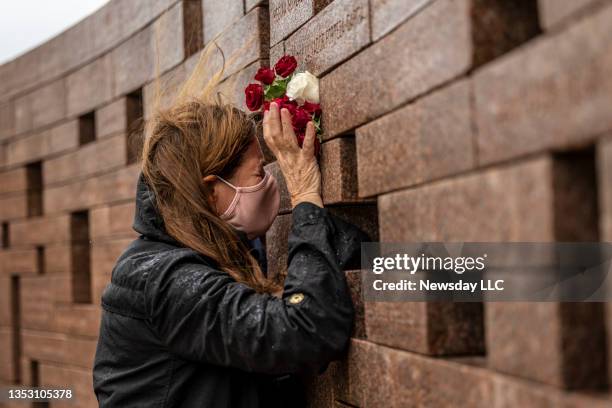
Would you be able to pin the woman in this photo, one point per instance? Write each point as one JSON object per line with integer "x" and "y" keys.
{"x": 190, "y": 319}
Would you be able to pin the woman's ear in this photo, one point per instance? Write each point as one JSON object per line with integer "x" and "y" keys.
{"x": 210, "y": 182}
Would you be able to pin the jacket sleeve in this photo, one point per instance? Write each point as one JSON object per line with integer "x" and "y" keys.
{"x": 202, "y": 314}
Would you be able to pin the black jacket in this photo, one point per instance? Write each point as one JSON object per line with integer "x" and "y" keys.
{"x": 178, "y": 332}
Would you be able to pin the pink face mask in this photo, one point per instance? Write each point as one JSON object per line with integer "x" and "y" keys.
{"x": 253, "y": 208}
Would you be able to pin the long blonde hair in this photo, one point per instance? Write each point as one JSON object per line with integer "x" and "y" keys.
{"x": 197, "y": 135}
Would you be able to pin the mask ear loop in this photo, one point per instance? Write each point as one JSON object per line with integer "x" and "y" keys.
{"x": 227, "y": 182}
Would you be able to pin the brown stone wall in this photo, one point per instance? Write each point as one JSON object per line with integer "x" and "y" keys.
{"x": 457, "y": 120}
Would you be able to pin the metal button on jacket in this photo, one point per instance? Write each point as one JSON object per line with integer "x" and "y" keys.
{"x": 296, "y": 298}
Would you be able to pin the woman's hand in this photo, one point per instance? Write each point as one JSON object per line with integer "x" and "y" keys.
{"x": 299, "y": 166}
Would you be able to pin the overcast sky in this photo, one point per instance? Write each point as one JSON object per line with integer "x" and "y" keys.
{"x": 24, "y": 24}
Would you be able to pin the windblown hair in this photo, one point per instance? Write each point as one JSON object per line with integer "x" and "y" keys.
{"x": 196, "y": 135}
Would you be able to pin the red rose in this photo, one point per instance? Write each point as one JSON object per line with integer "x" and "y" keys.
{"x": 300, "y": 119}
{"x": 283, "y": 102}
{"x": 285, "y": 65}
{"x": 254, "y": 96}
{"x": 312, "y": 108}
{"x": 265, "y": 75}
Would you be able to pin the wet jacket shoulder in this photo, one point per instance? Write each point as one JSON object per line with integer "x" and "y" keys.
{"x": 197, "y": 314}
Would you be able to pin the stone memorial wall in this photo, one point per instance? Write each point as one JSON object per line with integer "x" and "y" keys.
{"x": 444, "y": 120}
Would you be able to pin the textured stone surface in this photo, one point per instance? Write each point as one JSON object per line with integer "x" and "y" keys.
{"x": 409, "y": 98}
{"x": 287, "y": 15}
{"x": 339, "y": 171}
{"x": 499, "y": 26}
{"x": 42, "y": 230}
{"x": 388, "y": 14}
{"x": 245, "y": 42}
{"x": 135, "y": 60}
{"x": 96, "y": 157}
{"x": 285, "y": 202}
{"x": 404, "y": 69}
{"x": 117, "y": 116}
{"x": 219, "y": 15}
{"x": 40, "y": 107}
{"x": 551, "y": 344}
{"x": 429, "y": 139}
{"x": 19, "y": 261}
{"x": 353, "y": 279}
{"x": 276, "y": 52}
{"x": 277, "y": 249}
{"x": 333, "y": 35}
{"x": 7, "y": 120}
{"x": 556, "y": 100}
{"x": 90, "y": 86}
{"x": 112, "y": 221}
{"x": 104, "y": 189}
{"x": 427, "y": 328}
{"x": 39, "y": 145}
{"x": 553, "y": 12}
{"x": 492, "y": 205}
{"x": 604, "y": 162}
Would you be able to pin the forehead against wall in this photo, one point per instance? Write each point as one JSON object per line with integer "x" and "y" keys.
{"x": 444, "y": 120}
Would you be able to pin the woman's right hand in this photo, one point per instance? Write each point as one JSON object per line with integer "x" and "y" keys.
{"x": 299, "y": 166}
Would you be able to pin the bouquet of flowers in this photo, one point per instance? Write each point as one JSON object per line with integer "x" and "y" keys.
{"x": 297, "y": 92}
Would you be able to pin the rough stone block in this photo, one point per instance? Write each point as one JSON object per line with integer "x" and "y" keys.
{"x": 250, "y": 4}
{"x": 58, "y": 348}
{"x": 37, "y": 307}
{"x": 42, "y": 230}
{"x": 426, "y": 140}
{"x": 14, "y": 181}
{"x": 79, "y": 379}
{"x": 277, "y": 249}
{"x": 90, "y": 86}
{"x": 388, "y": 14}
{"x": 353, "y": 279}
{"x": 556, "y": 99}
{"x": 285, "y": 202}
{"x": 338, "y": 165}
{"x": 112, "y": 221}
{"x": 103, "y": 259}
{"x": 36, "y": 146}
{"x": 7, "y": 120}
{"x": 19, "y": 261}
{"x": 65, "y": 258}
{"x": 276, "y": 52}
{"x": 244, "y": 42}
{"x": 78, "y": 319}
{"x": 493, "y": 205}
{"x": 118, "y": 185}
{"x": 40, "y": 107}
{"x": 119, "y": 116}
{"x": 333, "y": 35}
{"x": 135, "y": 61}
{"x": 7, "y": 361}
{"x": 92, "y": 158}
{"x": 220, "y": 15}
{"x": 14, "y": 206}
{"x": 433, "y": 328}
{"x": 554, "y": 12}
{"x": 403, "y": 69}
{"x": 287, "y": 15}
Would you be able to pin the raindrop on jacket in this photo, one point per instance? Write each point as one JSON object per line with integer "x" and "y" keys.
{"x": 178, "y": 332}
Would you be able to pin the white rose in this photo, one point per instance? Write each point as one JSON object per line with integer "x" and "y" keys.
{"x": 303, "y": 87}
